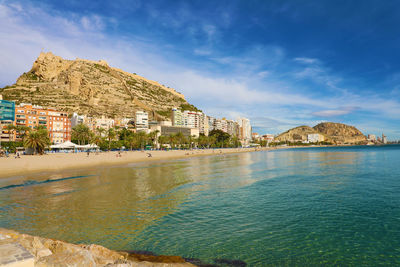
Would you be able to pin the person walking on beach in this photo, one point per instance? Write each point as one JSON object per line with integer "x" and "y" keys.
{"x": 88, "y": 153}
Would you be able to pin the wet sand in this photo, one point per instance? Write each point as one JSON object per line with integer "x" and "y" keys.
{"x": 28, "y": 164}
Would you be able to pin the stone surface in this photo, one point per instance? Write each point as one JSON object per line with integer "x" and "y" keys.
{"x": 12, "y": 254}
{"x": 45, "y": 252}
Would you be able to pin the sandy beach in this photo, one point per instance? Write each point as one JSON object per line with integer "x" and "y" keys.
{"x": 28, "y": 164}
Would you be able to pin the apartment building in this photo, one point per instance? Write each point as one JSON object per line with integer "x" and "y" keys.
{"x": 244, "y": 129}
{"x": 233, "y": 128}
{"x": 315, "y": 138}
{"x": 177, "y": 117}
{"x": 57, "y": 123}
{"x": 142, "y": 121}
{"x": 7, "y": 116}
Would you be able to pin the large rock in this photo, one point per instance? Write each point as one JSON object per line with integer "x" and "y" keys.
{"x": 53, "y": 253}
{"x": 91, "y": 87}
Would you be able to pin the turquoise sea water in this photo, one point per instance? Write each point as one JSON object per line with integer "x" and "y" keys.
{"x": 294, "y": 207}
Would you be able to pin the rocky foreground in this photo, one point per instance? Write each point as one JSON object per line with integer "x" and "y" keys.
{"x": 18, "y": 249}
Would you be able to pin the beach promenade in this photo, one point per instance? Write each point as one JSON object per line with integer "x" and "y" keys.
{"x": 28, "y": 164}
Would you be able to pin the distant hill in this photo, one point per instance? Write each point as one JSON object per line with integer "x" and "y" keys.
{"x": 93, "y": 88}
{"x": 341, "y": 133}
{"x": 337, "y": 133}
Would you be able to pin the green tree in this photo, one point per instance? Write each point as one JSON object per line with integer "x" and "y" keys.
{"x": 81, "y": 133}
{"x": 111, "y": 134}
{"x": 22, "y": 130}
{"x": 38, "y": 140}
{"x": 222, "y": 138}
{"x": 11, "y": 129}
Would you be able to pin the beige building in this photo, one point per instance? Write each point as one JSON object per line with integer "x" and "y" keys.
{"x": 315, "y": 138}
{"x": 170, "y": 130}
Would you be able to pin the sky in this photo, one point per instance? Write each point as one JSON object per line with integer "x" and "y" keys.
{"x": 279, "y": 63}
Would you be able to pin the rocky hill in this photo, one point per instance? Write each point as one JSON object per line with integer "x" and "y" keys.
{"x": 336, "y": 133}
{"x": 93, "y": 88}
{"x": 341, "y": 133}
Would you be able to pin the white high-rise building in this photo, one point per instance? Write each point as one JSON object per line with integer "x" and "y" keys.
{"x": 204, "y": 127}
{"x": 384, "y": 139}
{"x": 77, "y": 119}
{"x": 244, "y": 129}
{"x": 233, "y": 128}
{"x": 191, "y": 119}
{"x": 211, "y": 123}
{"x": 142, "y": 121}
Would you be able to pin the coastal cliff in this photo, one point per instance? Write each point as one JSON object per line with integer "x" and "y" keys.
{"x": 91, "y": 87}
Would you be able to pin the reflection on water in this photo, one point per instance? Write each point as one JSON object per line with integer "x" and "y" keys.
{"x": 310, "y": 206}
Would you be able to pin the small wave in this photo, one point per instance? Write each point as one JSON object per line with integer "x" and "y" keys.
{"x": 30, "y": 182}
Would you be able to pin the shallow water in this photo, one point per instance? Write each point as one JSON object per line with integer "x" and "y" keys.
{"x": 307, "y": 207}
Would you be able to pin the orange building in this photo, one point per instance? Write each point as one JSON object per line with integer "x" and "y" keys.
{"x": 57, "y": 123}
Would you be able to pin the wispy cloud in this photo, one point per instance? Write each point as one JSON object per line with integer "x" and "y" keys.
{"x": 250, "y": 84}
{"x": 334, "y": 112}
{"x": 307, "y": 60}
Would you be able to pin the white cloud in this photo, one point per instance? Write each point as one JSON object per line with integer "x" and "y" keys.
{"x": 202, "y": 52}
{"x": 334, "y": 112}
{"x": 243, "y": 91}
{"x": 92, "y": 23}
{"x": 306, "y": 60}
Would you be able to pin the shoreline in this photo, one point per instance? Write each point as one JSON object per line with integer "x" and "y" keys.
{"x": 53, "y": 162}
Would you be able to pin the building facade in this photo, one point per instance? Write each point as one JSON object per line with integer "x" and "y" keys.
{"x": 177, "y": 117}
{"x": 142, "y": 121}
{"x": 170, "y": 130}
{"x": 244, "y": 130}
{"x": 57, "y": 123}
{"x": 315, "y": 138}
{"x": 7, "y": 116}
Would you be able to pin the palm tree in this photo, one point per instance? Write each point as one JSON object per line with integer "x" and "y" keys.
{"x": 10, "y": 128}
{"x": 22, "y": 130}
{"x": 100, "y": 131}
{"x": 142, "y": 138}
{"x": 97, "y": 140}
{"x": 131, "y": 141}
{"x": 37, "y": 140}
{"x": 81, "y": 133}
{"x": 153, "y": 137}
{"x": 110, "y": 136}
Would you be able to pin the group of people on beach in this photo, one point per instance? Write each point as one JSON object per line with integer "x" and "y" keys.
{"x": 5, "y": 153}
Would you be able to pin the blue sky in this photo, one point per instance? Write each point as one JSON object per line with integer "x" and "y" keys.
{"x": 279, "y": 63}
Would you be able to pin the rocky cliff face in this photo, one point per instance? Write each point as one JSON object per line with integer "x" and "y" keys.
{"x": 336, "y": 133}
{"x": 341, "y": 133}
{"x": 91, "y": 87}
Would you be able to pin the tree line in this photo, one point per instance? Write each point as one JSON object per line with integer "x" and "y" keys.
{"x": 117, "y": 138}
{"x": 36, "y": 139}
